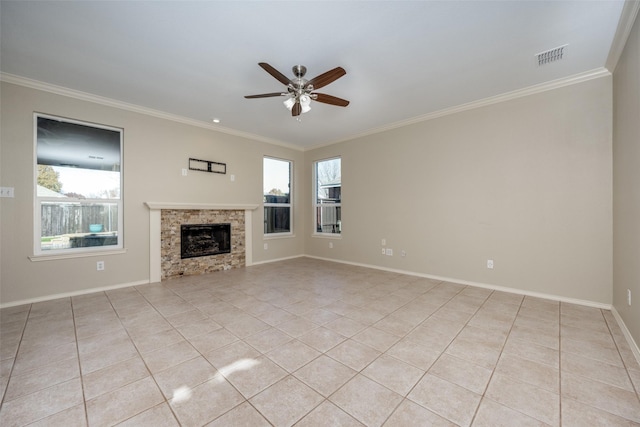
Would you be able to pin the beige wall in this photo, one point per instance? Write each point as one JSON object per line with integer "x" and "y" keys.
{"x": 626, "y": 183}
{"x": 155, "y": 151}
{"x": 527, "y": 183}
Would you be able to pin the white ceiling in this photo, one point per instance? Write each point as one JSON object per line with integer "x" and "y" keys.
{"x": 404, "y": 59}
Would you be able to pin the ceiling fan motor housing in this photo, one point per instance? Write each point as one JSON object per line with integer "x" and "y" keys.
{"x": 299, "y": 71}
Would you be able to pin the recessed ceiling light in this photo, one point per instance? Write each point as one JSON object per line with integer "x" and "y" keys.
{"x": 216, "y": 120}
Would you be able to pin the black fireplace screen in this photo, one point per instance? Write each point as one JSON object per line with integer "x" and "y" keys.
{"x": 204, "y": 239}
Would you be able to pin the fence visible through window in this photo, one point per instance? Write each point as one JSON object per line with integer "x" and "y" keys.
{"x": 328, "y": 203}
{"x": 78, "y": 186}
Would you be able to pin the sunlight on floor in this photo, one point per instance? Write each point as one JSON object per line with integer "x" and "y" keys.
{"x": 183, "y": 393}
{"x": 240, "y": 365}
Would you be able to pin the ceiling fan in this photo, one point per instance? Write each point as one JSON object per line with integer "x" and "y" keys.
{"x": 300, "y": 91}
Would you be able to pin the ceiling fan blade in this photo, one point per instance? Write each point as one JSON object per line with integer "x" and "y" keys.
{"x": 265, "y": 95}
{"x": 275, "y": 73}
{"x": 328, "y": 99}
{"x": 297, "y": 109}
{"x": 326, "y": 78}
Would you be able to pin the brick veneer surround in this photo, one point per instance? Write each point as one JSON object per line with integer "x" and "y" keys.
{"x": 164, "y": 237}
{"x": 174, "y": 266}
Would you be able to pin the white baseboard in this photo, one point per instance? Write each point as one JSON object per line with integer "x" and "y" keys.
{"x": 107, "y": 288}
{"x": 552, "y": 297}
{"x": 634, "y": 346}
{"x": 632, "y": 343}
{"x": 375, "y": 267}
{"x": 269, "y": 261}
{"x": 72, "y": 294}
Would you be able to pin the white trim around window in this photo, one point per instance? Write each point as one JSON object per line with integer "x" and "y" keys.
{"x": 277, "y": 182}
{"x": 78, "y": 182}
{"x": 327, "y": 198}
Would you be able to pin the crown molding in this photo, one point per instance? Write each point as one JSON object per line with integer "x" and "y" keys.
{"x": 625, "y": 25}
{"x": 531, "y": 90}
{"x": 109, "y": 102}
{"x": 520, "y": 93}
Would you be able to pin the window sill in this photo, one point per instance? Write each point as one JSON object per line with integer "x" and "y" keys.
{"x": 327, "y": 235}
{"x": 278, "y": 236}
{"x": 37, "y": 258}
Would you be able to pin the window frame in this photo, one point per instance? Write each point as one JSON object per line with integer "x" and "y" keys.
{"x": 317, "y": 205}
{"x": 61, "y": 253}
{"x": 290, "y": 233}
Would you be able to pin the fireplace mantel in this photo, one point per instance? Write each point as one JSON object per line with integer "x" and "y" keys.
{"x": 200, "y": 206}
{"x": 155, "y": 208}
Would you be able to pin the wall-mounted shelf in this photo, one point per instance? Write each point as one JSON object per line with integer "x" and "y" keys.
{"x": 207, "y": 166}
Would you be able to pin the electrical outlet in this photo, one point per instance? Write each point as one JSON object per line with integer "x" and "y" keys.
{"x": 232, "y": 177}
{"x": 6, "y": 191}
{"x": 384, "y": 252}
{"x": 100, "y": 265}
{"x": 389, "y": 252}
{"x": 629, "y": 297}
{"x": 266, "y": 246}
{"x": 184, "y": 171}
{"x": 490, "y": 264}
{"x": 403, "y": 253}
{"x": 384, "y": 242}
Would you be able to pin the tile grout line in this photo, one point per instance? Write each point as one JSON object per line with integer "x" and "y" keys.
{"x": 165, "y": 400}
{"x": 486, "y": 387}
{"x": 245, "y": 399}
{"x": 406, "y": 397}
{"x": 563, "y": 310}
{"x": 624, "y": 363}
{"x": 624, "y": 366}
{"x": 367, "y": 365}
{"x": 56, "y": 384}
{"x": 560, "y": 363}
{"x": 75, "y": 333}
{"x": 15, "y": 357}
{"x": 289, "y": 374}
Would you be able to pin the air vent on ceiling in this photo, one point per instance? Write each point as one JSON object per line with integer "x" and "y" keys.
{"x": 552, "y": 55}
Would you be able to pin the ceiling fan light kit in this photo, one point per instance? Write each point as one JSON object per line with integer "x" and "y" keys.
{"x": 305, "y": 102}
{"x": 300, "y": 92}
{"x": 289, "y": 102}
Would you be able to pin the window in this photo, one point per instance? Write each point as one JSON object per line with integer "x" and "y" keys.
{"x": 78, "y": 186}
{"x": 277, "y": 196}
{"x": 328, "y": 196}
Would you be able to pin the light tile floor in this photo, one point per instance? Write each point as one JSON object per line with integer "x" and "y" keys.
{"x": 312, "y": 343}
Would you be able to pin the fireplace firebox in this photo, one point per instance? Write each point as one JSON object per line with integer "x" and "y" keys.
{"x": 197, "y": 240}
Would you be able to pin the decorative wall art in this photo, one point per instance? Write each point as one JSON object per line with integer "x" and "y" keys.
{"x": 207, "y": 166}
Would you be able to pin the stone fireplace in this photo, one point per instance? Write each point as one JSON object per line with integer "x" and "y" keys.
{"x": 166, "y": 238}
